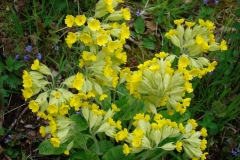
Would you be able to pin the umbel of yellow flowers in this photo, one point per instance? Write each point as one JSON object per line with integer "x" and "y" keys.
{"x": 194, "y": 40}
{"x": 160, "y": 84}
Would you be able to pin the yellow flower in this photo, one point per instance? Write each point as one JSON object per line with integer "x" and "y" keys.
{"x": 179, "y": 21}
{"x": 199, "y": 39}
{"x": 94, "y": 24}
{"x": 64, "y": 109}
{"x": 102, "y": 39}
{"x": 57, "y": 95}
{"x": 126, "y": 149}
{"x": 108, "y": 2}
{"x": 210, "y": 25}
{"x": 203, "y": 157}
{"x": 42, "y": 131}
{"x": 27, "y": 81}
{"x": 183, "y": 62}
{"x": 121, "y": 135}
{"x": 71, "y": 37}
{"x": 52, "y": 108}
{"x": 125, "y": 33}
{"x": 223, "y": 45}
{"x": 189, "y": 24}
{"x": 78, "y": 81}
{"x": 66, "y": 152}
{"x": 86, "y": 39}
{"x": 35, "y": 65}
{"x": 186, "y": 102}
{"x": 69, "y": 20}
{"x": 27, "y": 93}
{"x": 201, "y": 22}
{"x": 161, "y": 55}
{"x": 114, "y": 107}
{"x": 204, "y": 132}
{"x": 102, "y": 97}
{"x": 55, "y": 142}
{"x": 170, "y": 33}
{"x": 80, "y": 20}
{"x": 179, "y": 146}
{"x": 126, "y": 13}
{"x": 33, "y": 106}
{"x": 181, "y": 128}
{"x": 136, "y": 142}
{"x": 203, "y": 144}
{"x": 193, "y": 123}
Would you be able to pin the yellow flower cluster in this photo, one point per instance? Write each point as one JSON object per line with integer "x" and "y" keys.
{"x": 194, "y": 40}
{"x": 157, "y": 84}
{"x": 148, "y": 135}
{"x": 160, "y": 84}
{"x": 100, "y": 120}
{"x": 104, "y": 37}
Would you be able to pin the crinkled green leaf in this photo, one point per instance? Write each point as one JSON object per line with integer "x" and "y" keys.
{"x": 80, "y": 122}
{"x": 46, "y": 148}
{"x": 116, "y": 153}
{"x": 139, "y": 25}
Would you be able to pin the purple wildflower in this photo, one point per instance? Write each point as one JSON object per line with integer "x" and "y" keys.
{"x": 6, "y": 140}
{"x": 205, "y": 1}
{"x": 138, "y": 12}
{"x": 78, "y": 112}
{"x": 26, "y": 57}
{"x": 39, "y": 56}
{"x": 234, "y": 153}
{"x": 216, "y": 2}
{"x": 56, "y": 48}
{"x": 17, "y": 56}
{"x": 29, "y": 48}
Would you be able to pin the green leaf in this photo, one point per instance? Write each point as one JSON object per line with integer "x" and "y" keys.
{"x": 219, "y": 109}
{"x": 24, "y": 156}
{"x": 149, "y": 44}
{"x": 17, "y": 65}
{"x": 9, "y": 63}
{"x": 139, "y": 25}
{"x": 13, "y": 81}
{"x": 46, "y": 148}
{"x": 116, "y": 153}
{"x": 2, "y": 130}
{"x": 129, "y": 108}
{"x": 80, "y": 122}
{"x": 103, "y": 146}
{"x": 84, "y": 155}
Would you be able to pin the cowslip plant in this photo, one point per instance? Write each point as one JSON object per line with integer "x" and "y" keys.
{"x": 86, "y": 112}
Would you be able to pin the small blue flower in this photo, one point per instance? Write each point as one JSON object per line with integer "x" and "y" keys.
{"x": 138, "y": 12}
{"x": 216, "y": 2}
{"x": 78, "y": 112}
{"x": 6, "y": 141}
{"x": 205, "y": 1}
{"x": 29, "y": 48}
{"x": 39, "y": 56}
{"x": 17, "y": 56}
{"x": 234, "y": 153}
{"x": 56, "y": 48}
{"x": 237, "y": 149}
{"x": 26, "y": 57}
